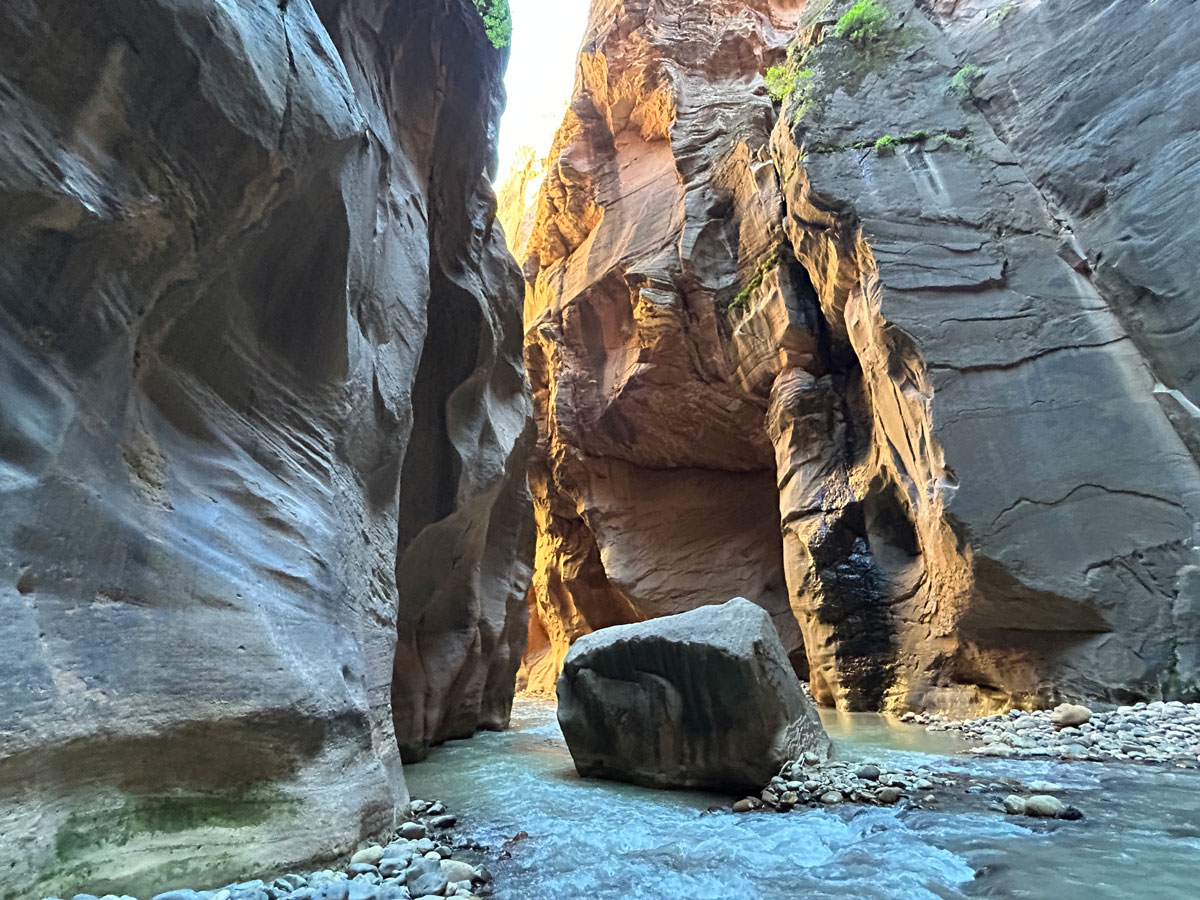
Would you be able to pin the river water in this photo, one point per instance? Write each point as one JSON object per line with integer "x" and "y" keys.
{"x": 597, "y": 840}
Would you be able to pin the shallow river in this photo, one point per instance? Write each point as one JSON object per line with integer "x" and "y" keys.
{"x": 594, "y": 839}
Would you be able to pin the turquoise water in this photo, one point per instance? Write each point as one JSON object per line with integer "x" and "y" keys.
{"x": 602, "y": 840}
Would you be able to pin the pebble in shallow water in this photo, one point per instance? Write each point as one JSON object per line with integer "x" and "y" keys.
{"x": 813, "y": 782}
{"x": 1147, "y": 732}
{"x": 411, "y": 866}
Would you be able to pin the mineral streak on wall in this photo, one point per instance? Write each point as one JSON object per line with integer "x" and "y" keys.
{"x": 929, "y": 316}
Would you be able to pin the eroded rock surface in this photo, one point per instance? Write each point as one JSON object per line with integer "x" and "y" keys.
{"x": 703, "y": 699}
{"x": 1042, "y": 509}
{"x": 257, "y": 332}
{"x": 933, "y": 307}
{"x": 655, "y": 490}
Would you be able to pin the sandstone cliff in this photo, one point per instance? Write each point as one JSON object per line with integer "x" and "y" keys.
{"x": 929, "y": 316}
{"x": 260, "y": 355}
{"x": 656, "y": 490}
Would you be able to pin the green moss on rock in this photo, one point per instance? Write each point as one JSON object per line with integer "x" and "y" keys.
{"x": 864, "y": 23}
{"x": 742, "y": 300}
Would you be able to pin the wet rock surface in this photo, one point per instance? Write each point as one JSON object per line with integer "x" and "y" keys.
{"x": 263, "y": 420}
{"x": 402, "y": 868}
{"x": 704, "y": 699}
{"x": 1154, "y": 732}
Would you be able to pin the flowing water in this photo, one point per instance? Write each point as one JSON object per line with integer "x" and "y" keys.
{"x": 596, "y": 840}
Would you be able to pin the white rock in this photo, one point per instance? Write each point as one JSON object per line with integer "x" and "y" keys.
{"x": 1014, "y": 805}
{"x": 1043, "y": 806}
{"x": 1069, "y": 714}
{"x": 370, "y": 855}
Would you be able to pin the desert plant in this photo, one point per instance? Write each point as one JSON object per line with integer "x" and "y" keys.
{"x": 497, "y": 21}
{"x": 863, "y": 23}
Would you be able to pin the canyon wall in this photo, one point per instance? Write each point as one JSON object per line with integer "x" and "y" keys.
{"x": 263, "y": 429}
{"x": 929, "y": 317}
{"x": 655, "y": 491}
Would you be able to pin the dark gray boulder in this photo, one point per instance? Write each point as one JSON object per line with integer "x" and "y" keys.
{"x": 425, "y": 877}
{"x": 703, "y": 699}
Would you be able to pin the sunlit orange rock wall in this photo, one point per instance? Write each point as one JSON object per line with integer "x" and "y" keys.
{"x": 879, "y": 393}
{"x": 655, "y": 491}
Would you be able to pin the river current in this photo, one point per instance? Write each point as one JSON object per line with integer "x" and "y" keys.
{"x": 597, "y": 840}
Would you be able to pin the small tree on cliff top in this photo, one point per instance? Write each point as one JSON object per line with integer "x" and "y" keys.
{"x": 497, "y": 21}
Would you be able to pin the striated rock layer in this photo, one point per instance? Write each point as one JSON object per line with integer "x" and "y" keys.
{"x": 258, "y": 333}
{"x": 895, "y": 318}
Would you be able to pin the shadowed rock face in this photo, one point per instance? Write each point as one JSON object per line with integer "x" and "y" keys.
{"x": 703, "y": 699}
{"x": 955, "y": 367}
{"x": 257, "y": 330}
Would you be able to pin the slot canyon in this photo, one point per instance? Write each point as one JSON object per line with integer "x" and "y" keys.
{"x": 327, "y": 431}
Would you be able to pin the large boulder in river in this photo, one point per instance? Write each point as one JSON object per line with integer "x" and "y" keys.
{"x": 703, "y": 699}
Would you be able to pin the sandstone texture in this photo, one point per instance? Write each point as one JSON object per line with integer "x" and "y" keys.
{"x": 1041, "y": 535}
{"x": 259, "y": 355}
{"x": 655, "y": 488}
{"x": 703, "y": 699}
{"x": 932, "y": 316}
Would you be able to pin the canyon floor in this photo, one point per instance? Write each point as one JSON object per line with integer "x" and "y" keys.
{"x": 1139, "y": 837}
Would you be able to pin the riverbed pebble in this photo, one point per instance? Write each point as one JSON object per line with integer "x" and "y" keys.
{"x": 810, "y": 782}
{"x": 1043, "y": 806}
{"x": 1155, "y": 732}
{"x": 408, "y": 865}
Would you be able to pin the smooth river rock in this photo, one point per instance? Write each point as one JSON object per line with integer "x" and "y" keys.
{"x": 1067, "y": 715}
{"x": 703, "y": 699}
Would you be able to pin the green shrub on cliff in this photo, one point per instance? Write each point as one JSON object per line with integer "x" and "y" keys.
{"x": 965, "y": 80}
{"x": 863, "y": 23}
{"x": 782, "y": 80}
{"x": 497, "y": 21}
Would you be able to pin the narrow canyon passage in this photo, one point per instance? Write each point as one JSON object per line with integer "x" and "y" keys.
{"x": 373, "y": 372}
{"x": 832, "y": 341}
